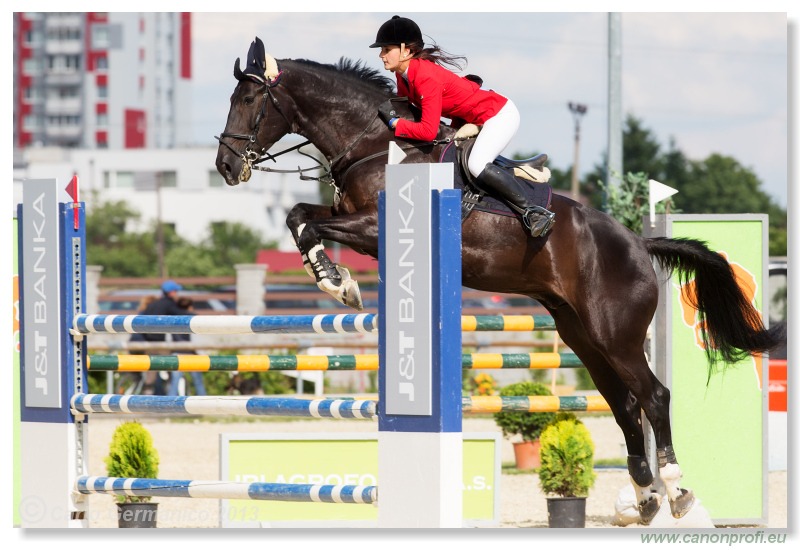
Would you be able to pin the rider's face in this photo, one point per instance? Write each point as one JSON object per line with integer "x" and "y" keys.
{"x": 395, "y": 58}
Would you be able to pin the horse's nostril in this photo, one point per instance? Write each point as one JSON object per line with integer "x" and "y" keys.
{"x": 225, "y": 169}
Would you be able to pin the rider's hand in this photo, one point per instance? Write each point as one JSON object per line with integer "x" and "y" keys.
{"x": 387, "y": 112}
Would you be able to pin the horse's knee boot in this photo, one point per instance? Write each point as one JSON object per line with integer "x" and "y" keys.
{"x": 639, "y": 470}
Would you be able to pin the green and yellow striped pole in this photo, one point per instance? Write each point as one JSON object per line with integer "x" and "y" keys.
{"x": 533, "y": 403}
{"x": 506, "y": 323}
{"x": 262, "y": 363}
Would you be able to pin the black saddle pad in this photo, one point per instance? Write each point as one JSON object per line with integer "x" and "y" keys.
{"x": 538, "y": 193}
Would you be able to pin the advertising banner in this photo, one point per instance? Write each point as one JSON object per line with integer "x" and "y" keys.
{"x": 333, "y": 459}
{"x": 718, "y": 421}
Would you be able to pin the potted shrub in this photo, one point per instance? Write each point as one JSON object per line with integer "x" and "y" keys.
{"x": 132, "y": 454}
{"x": 566, "y": 472}
{"x": 526, "y": 425}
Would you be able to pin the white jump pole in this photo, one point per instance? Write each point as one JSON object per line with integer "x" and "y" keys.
{"x": 419, "y": 411}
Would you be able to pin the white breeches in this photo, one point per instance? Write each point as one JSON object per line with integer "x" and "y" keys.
{"x": 495, "y": 136}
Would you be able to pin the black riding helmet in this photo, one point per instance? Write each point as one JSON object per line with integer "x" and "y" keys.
{"x": 398, "y": 30}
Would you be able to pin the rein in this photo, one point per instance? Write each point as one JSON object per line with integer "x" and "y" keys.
{"x": 327, "y": 176}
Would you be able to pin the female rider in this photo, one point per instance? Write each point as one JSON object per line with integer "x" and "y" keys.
{"x": 438, "y": 92}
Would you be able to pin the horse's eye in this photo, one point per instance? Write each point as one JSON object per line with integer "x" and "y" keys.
{"x": 249, "y": 100}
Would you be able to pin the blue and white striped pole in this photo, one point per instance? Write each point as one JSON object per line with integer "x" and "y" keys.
{"x": 419, "y": 411}
{"x": 223, "y": 405}
{"x": 187, "y": 488}
{"x": 364, "y": 323}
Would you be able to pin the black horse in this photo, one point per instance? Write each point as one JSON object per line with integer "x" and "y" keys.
{"x": 592, "y": 274}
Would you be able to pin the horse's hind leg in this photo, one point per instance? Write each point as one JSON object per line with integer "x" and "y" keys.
{"x": 625, "y": 407}
{"x": 631, "y": 365}
{"x": 653, "y": 398}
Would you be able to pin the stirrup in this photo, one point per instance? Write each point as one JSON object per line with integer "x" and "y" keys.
{"x": 538, "y": 220}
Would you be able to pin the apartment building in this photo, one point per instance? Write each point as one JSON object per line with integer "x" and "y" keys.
{"x": 102, "y": 80}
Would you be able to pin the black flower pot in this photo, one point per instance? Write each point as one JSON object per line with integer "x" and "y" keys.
{"x": 136, "y": 514}
{"x": 566, "y": 512}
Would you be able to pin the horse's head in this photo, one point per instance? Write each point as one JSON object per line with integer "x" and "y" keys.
{"x": 256, "y": 120}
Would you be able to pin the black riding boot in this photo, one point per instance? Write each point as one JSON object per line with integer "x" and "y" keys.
{"x": 502, "y": 184}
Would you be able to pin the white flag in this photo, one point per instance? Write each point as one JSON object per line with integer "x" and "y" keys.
{"x": 396, "y": 155}
{"x": 658, "y": 192}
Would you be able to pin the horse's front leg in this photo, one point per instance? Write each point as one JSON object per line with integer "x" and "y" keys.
{"x": 310, "y": 224}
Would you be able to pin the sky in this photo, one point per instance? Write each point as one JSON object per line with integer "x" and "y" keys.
{"x": 710, "y": 82}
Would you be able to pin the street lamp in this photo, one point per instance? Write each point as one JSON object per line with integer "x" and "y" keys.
{"x": 577, "y": 110}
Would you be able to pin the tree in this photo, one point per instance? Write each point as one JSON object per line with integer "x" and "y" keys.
{"x": 226, "y": 245}
{"x": 715, "y": 185}
{"x": 641, "y": 153}
{"x": 121, "y": 253}
{"x": 675, "y": 168}
{"x": 629, "y": 201}
{"x": 124, "y": 253}
{"x": 719, "y": 184}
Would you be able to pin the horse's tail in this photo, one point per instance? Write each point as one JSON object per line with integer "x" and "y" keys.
{"x": 731, "y": 326}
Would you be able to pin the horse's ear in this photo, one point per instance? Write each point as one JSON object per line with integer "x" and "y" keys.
{"x": 237, "y": 71}
{"x": 256, "y": 62}
{"x": 255, "y": 56}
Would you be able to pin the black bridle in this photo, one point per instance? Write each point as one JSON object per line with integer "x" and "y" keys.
{"x": 254, "y": 153}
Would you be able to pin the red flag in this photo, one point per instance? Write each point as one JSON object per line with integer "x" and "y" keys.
{"x": 72, "y": 191}
{"x": 72, "y": 188}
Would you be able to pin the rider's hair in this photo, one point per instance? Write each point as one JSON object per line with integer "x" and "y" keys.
{"x": 437, "y": 55}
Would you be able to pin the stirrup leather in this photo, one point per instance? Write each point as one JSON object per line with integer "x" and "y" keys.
{"x": 538, "y": 220}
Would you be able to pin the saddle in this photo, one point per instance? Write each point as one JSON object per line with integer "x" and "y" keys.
{"x": 530, "y": 171}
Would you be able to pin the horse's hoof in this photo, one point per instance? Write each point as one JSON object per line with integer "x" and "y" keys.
{"x": 681, "y": 505}
{"x": 346, "y": 291}
{"x": 649, "y": 508}
{"x": 351, "y": 295}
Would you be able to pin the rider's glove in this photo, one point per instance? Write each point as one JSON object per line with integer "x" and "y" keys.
{"x": 387, "y": 112}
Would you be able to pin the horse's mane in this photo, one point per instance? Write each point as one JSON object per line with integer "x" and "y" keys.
{"x": 357, "y": 70}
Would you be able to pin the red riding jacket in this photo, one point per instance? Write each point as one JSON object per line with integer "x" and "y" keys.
{"x": 439, "y": 92}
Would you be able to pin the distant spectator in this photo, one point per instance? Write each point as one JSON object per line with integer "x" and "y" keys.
{"x": 136, "y": 337}
{"x": 165, "y": 305}
{"x": 136, "y": 377}
{"x": 187, "y": 306}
